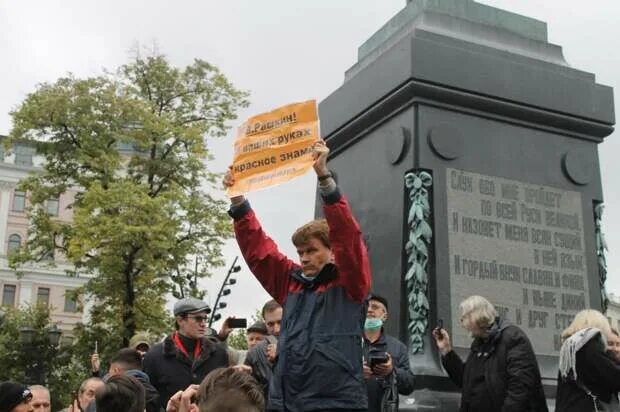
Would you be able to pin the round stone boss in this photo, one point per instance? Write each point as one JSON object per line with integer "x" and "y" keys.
{"x": 579, "y": 166}
{"x": 397, "y": 145}
{"x": 446, "y": 141}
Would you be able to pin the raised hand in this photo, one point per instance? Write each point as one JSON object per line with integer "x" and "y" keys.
{"x": 319, "y": 154}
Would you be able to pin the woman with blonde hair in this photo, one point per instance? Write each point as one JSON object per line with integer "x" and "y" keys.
{"x": 589, "y": 376}
{"x": 501, "y": 372}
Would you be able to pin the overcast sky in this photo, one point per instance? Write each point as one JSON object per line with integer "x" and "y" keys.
{"x": 281, "y": 51}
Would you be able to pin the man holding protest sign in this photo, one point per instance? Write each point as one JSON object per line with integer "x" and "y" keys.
{"x": 319, "y": 363}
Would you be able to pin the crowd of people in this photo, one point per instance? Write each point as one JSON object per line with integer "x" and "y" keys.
{"x": 322, "y": 345}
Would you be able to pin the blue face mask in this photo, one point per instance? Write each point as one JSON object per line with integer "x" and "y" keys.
{"x": 373, "y": 324}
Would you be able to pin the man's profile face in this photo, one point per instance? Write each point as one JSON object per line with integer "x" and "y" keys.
{"x": 376, "y": 310}
{"x": 313, "y": 256}
{"x": 272, "y": 320}
{"x": 193, "y": 325}
{"x": 254, "y": 338}
{"x": 40, "y": 400}
{"x": 88, "y": 394}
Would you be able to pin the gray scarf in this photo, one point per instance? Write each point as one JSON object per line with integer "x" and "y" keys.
{"x": 570, "y": 347}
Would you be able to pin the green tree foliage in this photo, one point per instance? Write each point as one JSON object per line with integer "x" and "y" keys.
{"x": 55, "y": 367}
{"x": 131, "y": 146}
{"x": 238, "y": 339}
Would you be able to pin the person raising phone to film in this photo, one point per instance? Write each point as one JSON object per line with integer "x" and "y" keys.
{"x": 501, "y": 373}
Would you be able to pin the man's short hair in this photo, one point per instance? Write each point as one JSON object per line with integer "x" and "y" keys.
{"x": 39, "y": 388}
{"x": 317, "y": 229}
{"x": 128, "y": 359}
{"x": 269, "y": 307}
{"x": 229, "y": 400}
{"x": 238, "y": 386}
{"x": 121, "y": 393}
{"x": 381, "y": 299}
{"x": 85, "y": 382}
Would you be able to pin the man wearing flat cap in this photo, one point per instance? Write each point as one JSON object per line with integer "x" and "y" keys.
{"x": 15, "y": 397}
{"x": 186, "y": 356}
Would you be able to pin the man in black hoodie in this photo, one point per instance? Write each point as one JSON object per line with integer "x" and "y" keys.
{"x": 129, "y": 362}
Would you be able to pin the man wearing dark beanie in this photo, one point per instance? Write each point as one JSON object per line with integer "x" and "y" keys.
{"x": 386, "y": 361}
{"x": 15, "y": 397}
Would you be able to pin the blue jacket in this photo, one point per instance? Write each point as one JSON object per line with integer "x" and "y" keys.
{"x": 319, "y": 365}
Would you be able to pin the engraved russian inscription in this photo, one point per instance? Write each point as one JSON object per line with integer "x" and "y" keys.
{"x": 520, "y": 245}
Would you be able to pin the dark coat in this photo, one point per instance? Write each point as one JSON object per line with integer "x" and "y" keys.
{"x": 402, "y": 375}
{"x": 262, "y": 369}
{"x": 171, "y": 371}
{"x": 512, "y": 377}
{"x": 319, "y": 365}
{"x": 598, "y": 371}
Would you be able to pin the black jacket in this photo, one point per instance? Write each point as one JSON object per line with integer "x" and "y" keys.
{"x": 512, "y": 377}
{"x": 598, "y": 371}
{"x": 170, "y": 370}
{"x": 402, "y": 376}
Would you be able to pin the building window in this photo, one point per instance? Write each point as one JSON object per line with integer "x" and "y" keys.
{"x": 19, "y": 201}
{"x": 43, "y": 296}
{"x": 8, "y": 295}
{"x": 52, "y": 207}
{"x": 23, "y": 155}
{"x": 15, "y": 241}
{"x": 70, "y": 304}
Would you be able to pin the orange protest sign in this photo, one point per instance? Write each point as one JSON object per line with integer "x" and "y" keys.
{"x": 275, "y": 147}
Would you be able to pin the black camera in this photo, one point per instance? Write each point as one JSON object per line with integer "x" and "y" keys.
{"x": 375, "y": 359}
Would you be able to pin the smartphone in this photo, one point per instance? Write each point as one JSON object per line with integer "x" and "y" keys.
{"x": 439, "y": 327}
{"x": 377, "y": 359}
{"x": 238, "y": 323}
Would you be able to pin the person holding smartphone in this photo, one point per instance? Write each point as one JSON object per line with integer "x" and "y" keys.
{"x": 501, "y": 373}
{"x": 386, "y": 361}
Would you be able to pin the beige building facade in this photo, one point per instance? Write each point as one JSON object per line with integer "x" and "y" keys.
{"x": 38, "y": 282}
{"x": 613, "y": 311}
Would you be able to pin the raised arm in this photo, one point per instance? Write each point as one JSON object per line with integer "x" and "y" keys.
{"x": 345, "y": 235}
{"x": 267, "y": 263}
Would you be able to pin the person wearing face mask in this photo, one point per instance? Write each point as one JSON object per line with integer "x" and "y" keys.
{"x": 501, "y": 373}
{"x": 386, "y": 362}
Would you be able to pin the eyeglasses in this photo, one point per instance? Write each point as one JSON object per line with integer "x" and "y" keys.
{"x": 199, "y": 319}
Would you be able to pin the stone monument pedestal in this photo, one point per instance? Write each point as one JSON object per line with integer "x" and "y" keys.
{"x": 468, "y": 148}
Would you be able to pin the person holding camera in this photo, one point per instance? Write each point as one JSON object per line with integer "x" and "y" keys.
{"x": 501, "y": 372}
{"x": 386, "y": 362}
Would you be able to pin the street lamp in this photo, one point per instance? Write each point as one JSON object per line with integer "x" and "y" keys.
{"x": 224, "y": 291}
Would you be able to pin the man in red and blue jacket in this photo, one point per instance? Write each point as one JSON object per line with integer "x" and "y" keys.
{"x": 319, "y": 362}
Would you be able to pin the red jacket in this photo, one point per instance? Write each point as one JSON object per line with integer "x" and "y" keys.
{"x": 320, "y": 344}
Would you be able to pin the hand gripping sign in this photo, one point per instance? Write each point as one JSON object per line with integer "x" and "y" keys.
{"x": 275, "y": 147}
